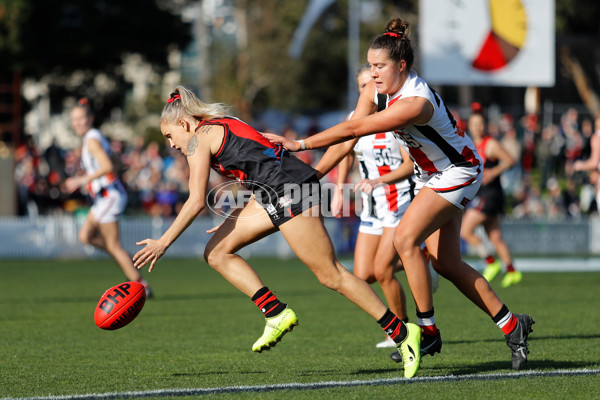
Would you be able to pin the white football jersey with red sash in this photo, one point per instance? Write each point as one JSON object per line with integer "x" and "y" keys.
{"x": 108, "y": 194}
{"x": 439, "y": 145}
{"x": 378, "y": 155}
{"x": 90, "y": 164}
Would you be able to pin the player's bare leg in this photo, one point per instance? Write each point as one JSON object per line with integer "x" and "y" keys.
{"x": 366, "y": 257}
{"x": 494, "y": 232}
{"x": 310, "y": 241}
{"x": 109, "y": 232}
{"x": 444, "y": 248}
{"x": 471, "y": 283}
{"x": 471, "y": 220}
{"x": 428, "y": 213}
{"x": 106, "y": 237}
{"x": 241, "y": 228}
{"x": 308, "y": 238}
{"x": 384, "y": 265}
{"x": 364, "y": 254}
{"x": 90, "y": 233}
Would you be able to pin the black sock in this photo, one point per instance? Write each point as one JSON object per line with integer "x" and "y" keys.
{"x": 501, "y": 314}
{"x": 267, "y": 302}
{"x": 393, "y": 326}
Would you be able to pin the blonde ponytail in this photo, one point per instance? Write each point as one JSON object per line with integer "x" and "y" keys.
{"x": 184, "y": 102}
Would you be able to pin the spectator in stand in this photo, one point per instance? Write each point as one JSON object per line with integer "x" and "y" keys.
{"x": 54, "y": 157}
{"x": 530, "y": 204}
{"x": 117, "y": 148}
{"x": 26, "y": 179}
{"x": 530, "y": 128}
{"x": 587, "y": 131}
{"x": 553, "y": 202}
{"x": 570, "y": 200}
{"x": 36, "y": 169}
{"x": 26, "y": 175}
{"x": 511, "y": 178}
{"x": 149, "y": 177}
{"x": 548, "y": 153}
{"x": 569, "y": 130}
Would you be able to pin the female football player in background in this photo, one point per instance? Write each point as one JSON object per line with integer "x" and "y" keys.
{"x": 488, "y": 205}
{"x": 386, "y": 190}
{"x": 101, "y": 227}
{"x": 210, "y": 139}
{"x": 592, "y": 164}
{"x": 448, "y": 167}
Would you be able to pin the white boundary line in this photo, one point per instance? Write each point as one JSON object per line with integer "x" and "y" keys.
{"x": 315, "y": 385}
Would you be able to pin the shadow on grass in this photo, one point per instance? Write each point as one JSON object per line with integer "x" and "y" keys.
{"x": 487, "y": 367}
{"x": 531, "y": 338}
{"x": 320, "y": 372}
{"x": 495, "y": 366}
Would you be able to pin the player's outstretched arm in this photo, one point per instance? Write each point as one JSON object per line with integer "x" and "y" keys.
{"x": 199, "y": 162}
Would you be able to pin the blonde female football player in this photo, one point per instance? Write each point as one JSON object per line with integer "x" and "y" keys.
{"x": 447, "y": 165}
{"x": 101, "y": 227}
{"x": 211, "y": 139}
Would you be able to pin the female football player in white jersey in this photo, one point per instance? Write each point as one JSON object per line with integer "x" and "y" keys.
{"x": 446, "y": 164}
{"x": 386, "y": 190}
{"x": 101, "y": 227}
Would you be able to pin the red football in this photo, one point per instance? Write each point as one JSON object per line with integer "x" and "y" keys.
{"x": 119, "y": 305}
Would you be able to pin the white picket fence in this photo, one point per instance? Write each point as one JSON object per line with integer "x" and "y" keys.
{"x": 57, "y": 237}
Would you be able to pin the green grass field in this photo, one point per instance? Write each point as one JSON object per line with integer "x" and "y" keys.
{"x": 198, "y": 331}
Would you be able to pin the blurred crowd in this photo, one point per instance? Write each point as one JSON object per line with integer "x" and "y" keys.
{"x": 156, "y": 178}
{"x": 541, "y": 185}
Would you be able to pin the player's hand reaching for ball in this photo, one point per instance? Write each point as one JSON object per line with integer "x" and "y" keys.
{"x": 288, "y": 144}
{"x": 151, "y": 253}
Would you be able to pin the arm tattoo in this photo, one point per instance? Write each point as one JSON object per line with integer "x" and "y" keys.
{"x": 192, "y": 145}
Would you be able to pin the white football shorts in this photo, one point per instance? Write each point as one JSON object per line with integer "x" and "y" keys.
{"x": 458, "y": 185}
{"x": 384, "y": 218}
{"x": 109, "y": 204}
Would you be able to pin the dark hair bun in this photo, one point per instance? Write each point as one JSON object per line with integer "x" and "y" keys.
{"x": 396, "y": 25}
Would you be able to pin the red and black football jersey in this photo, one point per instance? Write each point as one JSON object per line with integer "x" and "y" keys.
{"x": 248, "y": 157}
